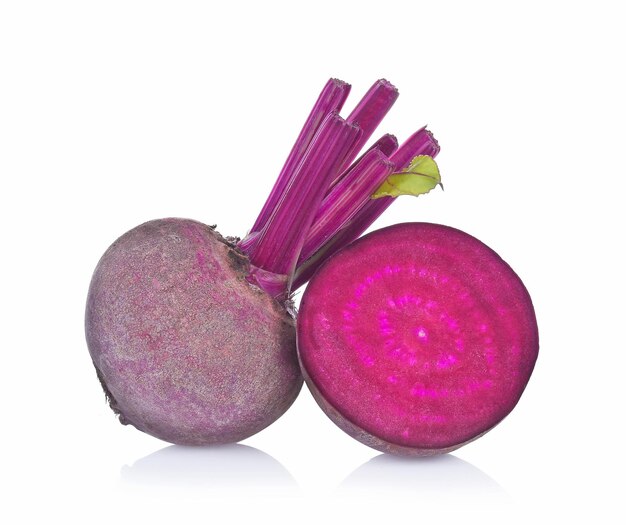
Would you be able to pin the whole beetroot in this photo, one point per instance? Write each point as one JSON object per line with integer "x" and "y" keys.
{"x": 192, "y": 335}
{"x": 185, "y": 347}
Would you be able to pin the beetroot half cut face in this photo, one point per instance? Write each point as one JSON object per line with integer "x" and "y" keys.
{"x": 417, "y": 339}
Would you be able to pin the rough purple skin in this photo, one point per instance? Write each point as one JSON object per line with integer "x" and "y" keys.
{"x": 416, "y": 339}
{"x": 186, "y": 349}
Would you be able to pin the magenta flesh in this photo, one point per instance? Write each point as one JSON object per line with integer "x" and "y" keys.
{"x": 186, "y": 349}
{"x": 417, "y": 338}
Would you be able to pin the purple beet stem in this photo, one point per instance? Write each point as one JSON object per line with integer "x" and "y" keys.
{"x": 331, "y": 100}
{"x": 346, "y": 198}
{"x": 420, "y": 143}
{"x": 322, "y": 199}
{"x": 368, "y": 114}
{"x": 279, "y": 243}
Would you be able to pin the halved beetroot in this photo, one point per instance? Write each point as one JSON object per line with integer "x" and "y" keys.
{"x": 417, "y": 338}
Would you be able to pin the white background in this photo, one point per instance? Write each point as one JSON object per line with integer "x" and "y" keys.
{"x": 113, "y": 113}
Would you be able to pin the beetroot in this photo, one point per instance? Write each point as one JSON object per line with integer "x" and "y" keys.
{"x": 186, "y": 349}
{"x": 416, "y": 339}
{"x": 192, "y": 335}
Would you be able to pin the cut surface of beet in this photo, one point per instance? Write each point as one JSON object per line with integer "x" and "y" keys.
{"x": 417, "y": 338}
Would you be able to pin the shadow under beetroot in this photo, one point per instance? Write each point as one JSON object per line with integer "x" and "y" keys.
{"x": 438, "y": 475}
{"x": 222, "y": 467}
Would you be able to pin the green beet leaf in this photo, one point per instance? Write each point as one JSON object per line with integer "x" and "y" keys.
{"x": 421, "y": 176}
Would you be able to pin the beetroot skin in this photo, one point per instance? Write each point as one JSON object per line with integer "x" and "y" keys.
{"x": 417, "y": 339}
{"x": 186, "y": 348}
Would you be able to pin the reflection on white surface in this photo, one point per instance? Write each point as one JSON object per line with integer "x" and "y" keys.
{"x": 444, "y": 475}
{"x": 222, "y": 467}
